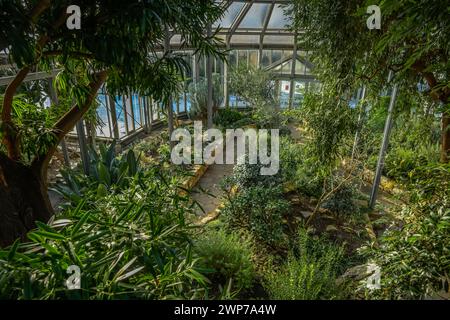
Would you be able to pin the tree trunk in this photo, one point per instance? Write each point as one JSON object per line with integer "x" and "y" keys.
{"x": 23, "y": 189}
{"x": 24, "y": 199}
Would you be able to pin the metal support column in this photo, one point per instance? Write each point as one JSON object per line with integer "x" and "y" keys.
{"x": 209, "y": 84}
{"x": 384, "y": 145}
{"x": 292, "y": 86}
{"x": 196, "y": 69}
{"x": 146, "y": 114}
{"x": 277, "y": 95}
{"x": 225, "y": 81}
{"x": 169, "y": 99}
{"x": 150, "y": 109}
{"x": 263, "y": 32}
{"x": 361, "y": 97}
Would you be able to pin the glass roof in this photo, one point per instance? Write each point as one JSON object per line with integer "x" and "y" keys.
{"x": 253, "y": 23}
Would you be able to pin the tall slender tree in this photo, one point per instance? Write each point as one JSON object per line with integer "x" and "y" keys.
{"x": 413, "y": 41}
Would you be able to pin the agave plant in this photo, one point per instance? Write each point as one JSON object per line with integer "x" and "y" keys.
{"x": 107, "y": 173}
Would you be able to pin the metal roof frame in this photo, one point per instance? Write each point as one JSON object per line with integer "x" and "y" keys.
{"x": 257, "y": 35}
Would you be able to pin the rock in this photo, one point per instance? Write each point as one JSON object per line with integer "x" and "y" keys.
{"x": 366, "y": 274}
{"x": 356, "y": 273}
{"x": 331, "y": 228}
{"x": 306, "y": 214}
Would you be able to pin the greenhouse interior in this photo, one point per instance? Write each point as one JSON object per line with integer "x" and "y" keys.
{"x": 225, "y": 150}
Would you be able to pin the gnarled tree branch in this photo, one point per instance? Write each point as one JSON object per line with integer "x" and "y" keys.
{"x": 69, "y": 120}
{"x": 9, "y": 136}
{"x": 39, "y": 9}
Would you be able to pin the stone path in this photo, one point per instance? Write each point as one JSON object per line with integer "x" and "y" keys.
{"x": 207, "y": 192}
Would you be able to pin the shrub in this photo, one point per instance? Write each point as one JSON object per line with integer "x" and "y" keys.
{"x": 400, "y": 161}
{"x": 228, "y": 257}
{"x": 129, "y": 244}
{"x": 267, "y": 117}
{"x": 291, "y": 155}
{"x": 164, "y": 152}
{"x": 414, "y": 255}
{"x": 253, "y": 84}
{"x": 227, "y": 117}
{"x": 260, "y": 210}
{"x": 310, "y": 177}
{"x": 301, "y": 168}
{"x": 309, "y": 273}
{"x": 243, "y": 122}
{"x": 330, "y": 122}
{"x": 248, "y": 175}
{"x": 342, "y": 200}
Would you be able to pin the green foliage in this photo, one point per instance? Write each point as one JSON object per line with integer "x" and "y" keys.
{"x": 301, "y": 169}
{"x": 314, "y": 179}
{"x": 122, "y": 41}
{"x": 341, "y": 201}
{"x": 199, "y": 97}
{"x": 414, "y": 256}
{"x": 118, "y": 41}
{"x": 134, "y": 244}
{"x": 267, "y": 118}
{"x": 329, "y": 120}
{"x": 413, "y": 36}
{"x": 430, "y": 183}
{"x": 414, "y": 143}
{"x": 260, "y": 210}
{"x": 33, "y": 124}
{"x": 227, "y": 118}
{"x": 309, "y": 273}
{"x": 254, "y": 85}
{"x": 306, "y": 172}
{"x": 291, "y": 154}
{"x": 164, "y": 152}
{"x": 247, "y": 175}
{"x": 310, "y": 180}
{"x": 414, "y": 140}
{"x": 228, "y": 257}
{"x": 400, "y": 161}
{"x": 413, "y": 43}
{"x": 106, "y": 173}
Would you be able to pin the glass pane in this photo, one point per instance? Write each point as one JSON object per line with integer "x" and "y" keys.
{"x": 230, "y": 15}
{"x": 232, "y": 58}
{"x": 254, "y": 19}
{"x": 276, "y": 55}
{"x": 253, "y": 58}
{"x": 266, "y": 58}
{"x": 104, "y": 129}
{"x": 284, "y": 93}
{"x": 242, "y": 57}
{"x": 278, "y": 20}
{"x": 120, "y": 116}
